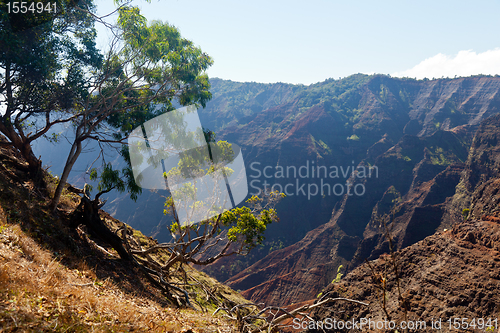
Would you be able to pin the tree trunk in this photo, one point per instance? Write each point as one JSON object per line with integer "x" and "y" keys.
{"x": 74, "y": 153}
{"x": 34, "y": 165}
{"x": 87, "y": 213}
{"x": 18, "y": 140}
{"x": 25, "y": 150}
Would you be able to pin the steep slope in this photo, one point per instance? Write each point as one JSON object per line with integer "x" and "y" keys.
{"x": 237, "y": 103}
{"x": 54, "y": 277}
{"x": 481, "y": 167}
{"x": 417, "y": 174}
{"x": 358, "y": 125}
{"x": 453, "y": 273}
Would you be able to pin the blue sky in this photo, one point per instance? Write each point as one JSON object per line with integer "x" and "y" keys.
{"x": 310, "y": 41}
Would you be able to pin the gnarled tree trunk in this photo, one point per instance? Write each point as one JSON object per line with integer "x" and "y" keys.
{"x": 87, "y": 213}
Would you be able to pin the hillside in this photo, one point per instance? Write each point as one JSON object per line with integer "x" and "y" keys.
{"x": 417, "y": 133}
{"x": 54, "y": 277}
{"x": 453, "y": 273}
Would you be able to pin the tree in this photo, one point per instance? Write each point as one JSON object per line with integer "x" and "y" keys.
{"x": 206, "y": 181}
{"x": 235, "y": 231}
{"x": 52, "y": 73}
{"x": 42, "y": 60}
{"x": 146, "y": 68}
{"x": 87, "y": 211}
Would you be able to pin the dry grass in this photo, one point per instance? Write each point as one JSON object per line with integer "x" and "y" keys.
{"x": 38, "y": 293}
{"x": 51, "y": 280}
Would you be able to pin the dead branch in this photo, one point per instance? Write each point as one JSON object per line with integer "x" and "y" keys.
{"x": 248, "y": 320}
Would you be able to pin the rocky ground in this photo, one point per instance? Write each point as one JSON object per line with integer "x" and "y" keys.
{"x": 452, "y": 274}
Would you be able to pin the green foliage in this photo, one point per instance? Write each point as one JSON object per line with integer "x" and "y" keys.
{"x": 195, "y": 164}
{"x": 465, "y": 213}
{"x": 339, "y": 274}
{"x": 353, "y": 137}
{"x": 339, "y": 93}
{"x": 490, "y": 329}
{"x": 105, "y": 96}
{"x": 110, "y": 179}
{"x": 169, "y": 66}
{"x": 276, "y": 245}
{"x": 246, "y": 226}
{"x": 439, "y": 156}
{"x": 52, "y": 50}
{"x": 53, "y": 137}
{"x": 168, "y": 56}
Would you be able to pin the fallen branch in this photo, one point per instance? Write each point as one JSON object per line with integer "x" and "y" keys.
{"x": 293, "y": 313}
{"x": 249, "y": 322}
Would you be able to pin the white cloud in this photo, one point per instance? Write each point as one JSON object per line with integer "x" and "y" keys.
{"x": 465, "y": 63}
